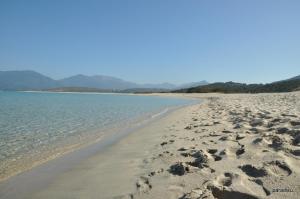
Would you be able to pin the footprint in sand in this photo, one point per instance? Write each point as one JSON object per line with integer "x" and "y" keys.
{"x": 179, "y": 168}
{"x": 217, "y": 158}
{"x": 295, "y": 152}
{"x": 212, "y": 151}
{"x": 256, "y": 122}
{"x": 240, "y": 136}
{"x": 231, "y": 185}
{"x": 260, "y": 182}
{"x": 214, "y": 155}
{"x": 227, "y": 131}
{"x": 201, "y": 159}
{"x": 296, "y": 140}
{"x": 197, "y": 193}
{"x": 277, "y": 142}
{"x": 253, "y": 171}
{"x": 240, "y": 151}
{"x": 189, "y": 127}
{"x": 282, "y": 130}
{"x": 278, "y": 167}
{"x": 165, "y": 143}
{"x": 295, "y": 123}
{"x": 226, "y": 179}
{"x": 257, "y": 141}
{"x": 143, "y": 185}
{"x": 153, "y": 173}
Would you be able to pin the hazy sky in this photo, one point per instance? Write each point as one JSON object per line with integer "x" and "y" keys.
{"x": 153, "y": 41}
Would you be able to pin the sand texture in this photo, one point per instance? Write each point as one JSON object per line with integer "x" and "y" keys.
{"x": 228, "y": 146}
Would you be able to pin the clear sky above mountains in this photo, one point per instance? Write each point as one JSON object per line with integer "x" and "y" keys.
{"x": 153, "y": 41}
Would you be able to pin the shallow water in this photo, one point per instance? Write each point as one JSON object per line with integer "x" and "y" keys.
{"x": 33, "y": 125}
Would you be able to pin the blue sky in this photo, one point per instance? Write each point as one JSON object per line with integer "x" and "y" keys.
{"x": 153, "y": 41}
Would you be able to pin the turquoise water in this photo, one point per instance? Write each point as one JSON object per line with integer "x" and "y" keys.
{"x": 32, "y": 122}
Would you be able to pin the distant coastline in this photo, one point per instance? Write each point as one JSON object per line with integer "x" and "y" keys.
{"x": 33, "y": 81}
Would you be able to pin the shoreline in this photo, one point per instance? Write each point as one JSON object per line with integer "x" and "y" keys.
{"x": 29, "y": 161}
{"x": 229, "y": 145}
{"x": 79, "y": 153}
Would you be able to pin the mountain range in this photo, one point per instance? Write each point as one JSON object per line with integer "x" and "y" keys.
{"x": 31, "y": 80}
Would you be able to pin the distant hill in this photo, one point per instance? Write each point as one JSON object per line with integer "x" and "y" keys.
{"x": 294, "y": 78}
{"x": 31, "y": 80}
{"x": 193, "y": 84}
{"x": 233, "y": 87}
{"x": 97, "y": 81}
{"x": 162, "y": 86}
{"x": 107, "y": 82}
{"x": 23, "y": 80}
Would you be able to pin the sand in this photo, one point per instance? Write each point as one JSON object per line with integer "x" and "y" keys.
{"x": 227, "y": 146}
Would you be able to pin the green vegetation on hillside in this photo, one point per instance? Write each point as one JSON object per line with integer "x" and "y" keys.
{"x": 232, "y": 87}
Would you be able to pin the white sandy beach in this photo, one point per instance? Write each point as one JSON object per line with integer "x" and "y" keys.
{"x": 228, "y": 146}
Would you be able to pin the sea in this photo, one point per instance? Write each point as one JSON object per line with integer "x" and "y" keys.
{"x": 38, "y": 126}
